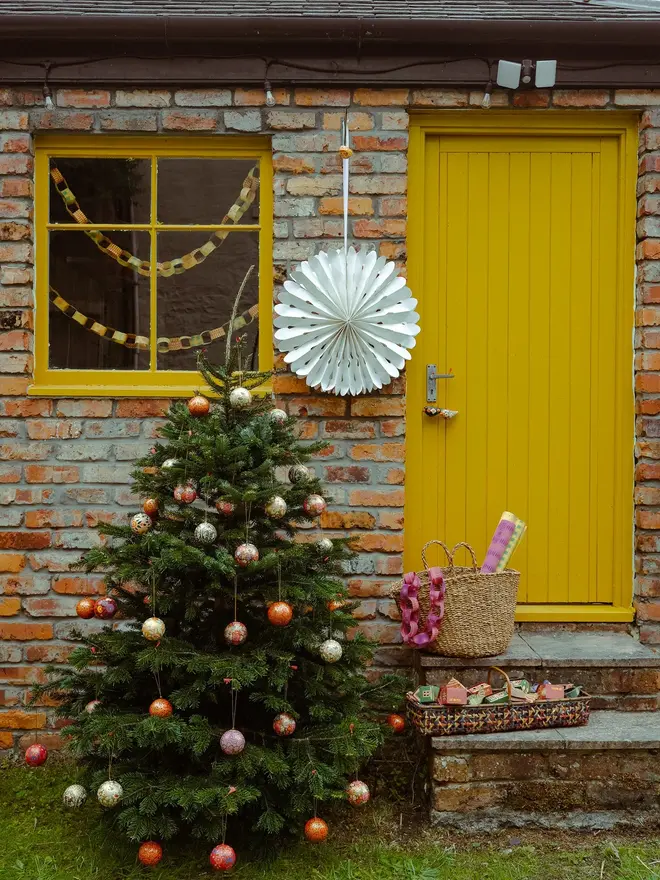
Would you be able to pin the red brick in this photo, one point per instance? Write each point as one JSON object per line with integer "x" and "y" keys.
{"x": 285, "y": 383}
{"x": 532, "y": 98}
{"x": 333, "y": 206}
{"x": 648, "y": 587}
{"x": 83, "y": 98}
{"x": 365, "y": 589}
{"x": 378, "y": 452}
{"x": 68, "y": 120}
{"x": 366, "y": 610}
{"x": 378, "y": 406}
{"x": 394, "y": 477}
{"x": 26, "y": 408}
{"x": 394, "y": 207}
{"x": 381, "y": 97}
{"x": 44, "y": 606}
{"x": 393, "y": 428}
{"x": 190, "y": 120}
{"x": 389, "y": 520}
{"x": 257, "y": 97}
{"x": 142, "y": 98}
{"x": 369, "y": 143}
{"x": 636, "y": 97}
{"x": 389, "y": 565}
{"x": 317, "y": 406}
{"x": 52, "y": 429}
{"x": 379, "y": 228}
{"x": 25, "y": 632}
{"x": 48, "y": 653}
{"x": 377, "y": 543}
{"x": 383, "y": 633}
{"x": 354, "y": 519}
{"x": 9, "y": 607}
{"x": 90, "y": 409}
{"x": 15, "y": 187}
{"x": 24, "y": 540}
{"x": 142, "y": 408}
{"x": 357, "y": 121}
{"x": 645, "y": 471}
{"x": 51, "y": 474}
{"x": 377, "y": 498}
{"x": 79, "y": 586}
{"x": 51, "y": 741}
{"x": 10, "y": 473}
{"x": 648, "y": 406}
{"x": 322, "y": 97}
{"x": 12, "y": 562}
{"x": 440, "y": 98}
{"x": 580, "y": 97}
{"x": 24, "y": 585}
{"x": 350, "y": 474}
{"x": 292, "y": 164}
{"x": 21, "y": 675}
{"x": 648, "y": 611}
{"x": 14, "y": 387}
{"x": 350, "y": 430}
{"x": 15, "y": 340}
{"x": 647, "y": 381}
{"x": 648, "y": 449}
{"x": 16, "y": 164}
{"x": 647, "y": 519}
{"x": 19, "y": 720}
{"x": 54, "y": 519}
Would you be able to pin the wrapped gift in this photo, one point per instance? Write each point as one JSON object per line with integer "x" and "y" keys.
{"x": 427, "y": 693}
{"x": 476, "y": 699}
{"x": 522, "y": 684}
{"x": 453, "y": 694}
{"x": 549, "y": 691}
{"x": 482, "y": 688}
{"x": 496, "y": 698}
{"x": 573, "y": 692}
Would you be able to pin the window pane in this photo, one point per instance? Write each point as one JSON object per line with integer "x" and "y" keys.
{"x": 201, "y": 298}
{"x": 202, "y": 191}
{"x": 106, "y": 190}
{"x": 85, "y": 281}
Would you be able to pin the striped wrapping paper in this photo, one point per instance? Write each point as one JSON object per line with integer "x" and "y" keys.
{"x": 507, "y": 535}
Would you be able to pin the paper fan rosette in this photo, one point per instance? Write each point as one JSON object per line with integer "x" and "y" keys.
{"x": 346, "y": 320}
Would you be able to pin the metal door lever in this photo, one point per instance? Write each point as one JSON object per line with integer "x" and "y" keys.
{"x": 431, "y": 379}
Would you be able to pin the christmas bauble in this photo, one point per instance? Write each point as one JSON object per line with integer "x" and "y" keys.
{"x": 396, "y": 722}
{"x": 141, "y": 523}
{"x": 150, "y": 853}
{"x": 358, "y": 793}
{"x": 335, "y": 604}
{"x": 222, "y": 858}
{"x": 278, "y": 416}
{"x": 284, "y": 724}
{"x": 198, "y": 405}
{"x": 314, "y": 505}
{"x": 235, "y": 633}
{"x": 153, "y": 629}
{"x": 161, "y": 708}
{"x": 276, "y": 507}
{"x": 245, "y": 554}
{"x": 85, "y": 608}
{"x": 331, "y": 651}
{"x": 324, "y": 545}
{"x": 226, "y": 508}
{"x": 240, "y": 398}
{"x": 92, "y": 706}
{"x": 232, "y": 742}
{"x": 280, "y": 613}
{"x": 35, "y": 755}
{"x": 105, "y": 608}
{"x": 316, "y": 830}
{"x": 109, "y": 793}
{"x": 185, "y": 493}
{"x": 74, "y": 796}
{"x": 299, "y": 473}
{"x": 206, "y": 533}
{"x": 150, "y": 507}
{"x": 169, "y": 463}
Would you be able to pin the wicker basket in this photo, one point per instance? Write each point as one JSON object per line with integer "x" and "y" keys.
{"x": 452, "y": 720}
{"x": 479, "y": 608}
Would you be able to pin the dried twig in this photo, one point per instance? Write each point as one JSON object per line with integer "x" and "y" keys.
{"x": 648, "y": 867}
{"x": 230, "y": 329}
{"x": 602, "y": 869}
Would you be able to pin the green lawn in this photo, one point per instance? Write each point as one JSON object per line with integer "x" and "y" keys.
{"x": 40, "y": 840}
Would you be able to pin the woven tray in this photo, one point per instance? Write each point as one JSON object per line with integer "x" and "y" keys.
{"x": 452, "y": 720}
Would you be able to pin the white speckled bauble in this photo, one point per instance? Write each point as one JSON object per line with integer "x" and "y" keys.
{"x": 240, "y": 398}
{"x": 284, "y": 724}
{"x": 169, "y": 463}
{"x": 153, "y": 629}
{"x": 185, "y": 494}
{"x": 314, "y": 505}
{"x": 110, "y": 793}
{"x": 330, "y": 650}
{"x": 278, "y": 416}
{"x": 276, "y": 507}
{"x": 74, "y": 796}
{"x": 141, "y": 523}
{"x": 235, "y": 633}
{"x": 299, "y": 473}
{"x": 226, "y": 508}
{"x": 232, "y": 742}
{"x": 358, "y": 793}
{"x": 324, "y": 545}
{"x": 92, "y": 706}
{"x": 245, "y": 554}
{"x": 206, "y": 533}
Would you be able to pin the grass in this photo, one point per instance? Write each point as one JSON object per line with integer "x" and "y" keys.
{"x": 43, "y": 841}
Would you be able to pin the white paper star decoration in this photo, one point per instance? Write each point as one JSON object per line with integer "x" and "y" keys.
{"x": 346, "y": 320}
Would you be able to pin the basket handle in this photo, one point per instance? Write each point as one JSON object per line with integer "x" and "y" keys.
{"x": 450, "y": 558}
{"x": 469, "y": 549}
{"x": 503, "y": 673}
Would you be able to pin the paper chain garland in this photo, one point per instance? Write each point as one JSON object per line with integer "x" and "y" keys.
{"x": 410, "y": 608}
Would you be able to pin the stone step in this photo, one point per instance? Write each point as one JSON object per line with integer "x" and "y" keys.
{"x": 618, "y": 671}
{"x": 599, "y": 776}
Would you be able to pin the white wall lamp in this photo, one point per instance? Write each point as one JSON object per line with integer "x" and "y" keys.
{"x": 511, "y": 74}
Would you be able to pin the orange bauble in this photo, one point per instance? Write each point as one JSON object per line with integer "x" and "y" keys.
{"x": 161, "y": 708}
{"x": 280, "y": 613}
{"x": 198, "y": 405}
{"x": 335, "y": 604}
{"x": 316, "y": 830}
{"x": 396, "y": 722}
{"x": 150, "y": 507}
{"x": 150, "y": 853}
{"x": 85, "y": 608}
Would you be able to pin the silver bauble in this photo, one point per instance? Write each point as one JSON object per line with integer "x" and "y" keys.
{"x": 141, "y": 523}
{"x": 330, "y": 651}
{"x": 276, "y": 507}
{"x": 206, "y": 533}
{"x": 110, "y": 793}
{"x": 153, "y": 629}
{"x": 278, "y": 416}
{"x": 169, "y": 463}
{"x": 324, "y": 545}
{"x": 74, "y": 796}
{"x": 240, "y": 398}
{"x": 299, "y": 473}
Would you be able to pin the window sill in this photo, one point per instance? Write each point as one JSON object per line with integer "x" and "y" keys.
{"x": 160, "y": 391}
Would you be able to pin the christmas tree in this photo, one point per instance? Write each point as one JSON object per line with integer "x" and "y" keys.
{"x": 226, "y": 699}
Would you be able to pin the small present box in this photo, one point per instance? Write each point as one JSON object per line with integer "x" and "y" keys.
{"x": 482, "y": 688}
{"x": 575, "y": 691}
{"x": 476, "y": 699}
{"x": 496, "y": 698}
{"x": 522, "y": 685}
{"x": 521, "y": 696}
{"x": 427, "y": 693}
{"x": 549, "y": 691}
{"x": 453, "y": 695}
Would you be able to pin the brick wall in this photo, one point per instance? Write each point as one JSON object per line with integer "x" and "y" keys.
{"x": 65, "y": 463}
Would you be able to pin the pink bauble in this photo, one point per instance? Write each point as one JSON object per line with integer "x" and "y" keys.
{"x": 245, "y": 554}
{"x": 35, "y": 755}
{"x": 232, "y": 742}
{"x": 358, "y": 793}
{"x": 284, "y": 725}
{"x": 105, "y": 608}
{"x": 223, "y": 857}
{"x": 185, "y": 494}
{"x": 314, "y": 505}
{"x": 92, "y": 706}
{"x": 225, "y": 508}
{"x": 235, "y": 633}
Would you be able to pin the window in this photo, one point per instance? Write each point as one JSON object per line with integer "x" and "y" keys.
{"x": 142, "y": 245}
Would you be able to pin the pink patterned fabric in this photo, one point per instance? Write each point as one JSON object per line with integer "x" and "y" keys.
{"x": 410, "y": 608}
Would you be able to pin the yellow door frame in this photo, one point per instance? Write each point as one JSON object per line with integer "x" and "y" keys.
{"x": 624, "y": 127}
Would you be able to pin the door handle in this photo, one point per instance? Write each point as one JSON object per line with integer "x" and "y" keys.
{"x": 445, "y": 413}
{"x": 431, "y": 378}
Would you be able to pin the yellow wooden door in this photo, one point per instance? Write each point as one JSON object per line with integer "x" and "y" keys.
{"x": 521, "y": 253}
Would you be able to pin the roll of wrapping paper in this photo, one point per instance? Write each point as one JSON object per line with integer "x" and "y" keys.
{"x": 499, "y": 542}
{"x": 514, "y": 540}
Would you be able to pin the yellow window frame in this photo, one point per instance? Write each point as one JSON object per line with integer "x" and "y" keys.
{"x": 143, "y": 383}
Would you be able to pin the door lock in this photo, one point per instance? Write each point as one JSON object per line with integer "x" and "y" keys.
{"x": 431, "y": 379}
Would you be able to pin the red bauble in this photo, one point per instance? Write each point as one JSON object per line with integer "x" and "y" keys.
{"x": 198, "y": 405}
{"x": 223, "y": 857}
{"x": 185, "y": 494}
{"x": 280, "y": 613}
{"x": 284, "y": 724}
{"x": 105, "y": 609}
{"x": 150, "y": 853}
{"x": 161, "y": 708}
{"x": 35, "y": 755}
{"x": 396, "y": 722}
{"x": 150, "y": 507}
{"x": 226, "y": 508}
{"x": 85, "y": 608}
{"x": 316, "y": 830}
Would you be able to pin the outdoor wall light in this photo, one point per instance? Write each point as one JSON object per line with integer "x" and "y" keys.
{"x": 510, "y": 74}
